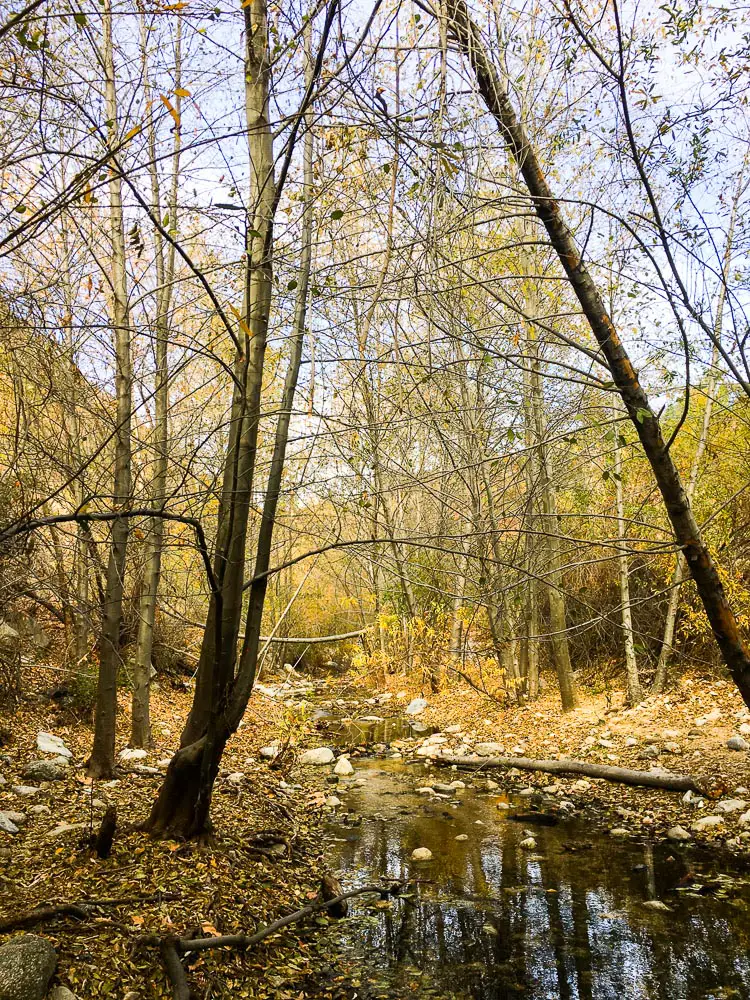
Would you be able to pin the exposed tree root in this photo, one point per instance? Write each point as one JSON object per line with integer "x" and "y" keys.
{"x": 172, "y": 947}
{"x": 81, "y": 910}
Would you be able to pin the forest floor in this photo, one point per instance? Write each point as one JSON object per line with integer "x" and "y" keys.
{"x": 265, "y": 857}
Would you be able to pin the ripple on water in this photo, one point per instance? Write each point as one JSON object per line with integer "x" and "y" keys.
{"x": 488, "y": 920}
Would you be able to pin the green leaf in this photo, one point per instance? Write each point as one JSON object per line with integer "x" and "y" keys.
{"x": 337, "y": 214}
{"x": 292, "y": 285}
{"x": 20, "y": 209}
{"x": 253, "y": 233}
{"x": 80, "y": 20}
{"x": 641, "y": 414}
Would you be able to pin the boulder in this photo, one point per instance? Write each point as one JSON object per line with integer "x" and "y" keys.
{"x": 26, "y": 790}
{"x": 343, "y": 767}
{"x": 44, "y": 770}
{"x": 416, "y": 705}
{"x": 737, "y": 743}
{"x": 421, "y": 854}
{"x": 49, "y": 743}
{"x": 320, "y": 755}
{"x": 133, "y": 753}
{"x": 27, "y": 963}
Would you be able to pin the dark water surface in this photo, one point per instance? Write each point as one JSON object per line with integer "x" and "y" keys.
{"x": 488, "y": 920}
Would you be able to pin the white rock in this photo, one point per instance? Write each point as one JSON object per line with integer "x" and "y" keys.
{"x": 656, "y": 904}
{"x": 678, "y": 833}
{"x": 462, "y": 836}
{"x": 270, "y": 751}
{"x": 619, "y": 831}
{"x": 61, "y": 993}
{"x": 333, "y": 801}
{"x": 745, "y": 728}
{"x": 425, "y": 790}
{"x": 320, "y": 755}
{"x": 737, "y": 743}
{"x": 707, "y": 823}
{"x": 453, "y": 729}
{"x": 49, "y": 743}
{"x": 25, "y": 790}
{"x": 343, "y": 767}
{"x": 421, "y": 854}
{"x": 489, "y": 749}
{"x": 528, "y": 844}
{"x": 133, "y": 753}
{"x": 39, "y": 810}
{"x": 670, "y": 734}
{"x": 62, "y": 828}
{"x": 415, "y": 706}
{"x": 7, "y": 824}
{"x": 730, "y": 805}
{"x": 744, "y": 819}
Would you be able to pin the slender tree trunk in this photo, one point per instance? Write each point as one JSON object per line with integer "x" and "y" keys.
{"x": 634, "y": 689}
{"x": 140, "y": 733}
{"x": 221, "y": 696}
{"x": 555, "y": 592}
{"x": 101, "y": 762}
{"x": 667, "y": 643}
{"x": 645, "y": 420}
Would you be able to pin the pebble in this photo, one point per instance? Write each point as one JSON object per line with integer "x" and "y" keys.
{"x": 462, "y": 836}
{"x": 320, "y": 755}
{"x": 421, "y": 854}
{"x": 730, "y": 805}
{"x": 656, "y": 904}
{"x": 737, "y": 743}
{"x": 619, "y": 831}
{"x": 528, "y": 844}
{"x": 343, "y": 767}
{"x": 25, "y": 790}
{"x": 333, "y": 801}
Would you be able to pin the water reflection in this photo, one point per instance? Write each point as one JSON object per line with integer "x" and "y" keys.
{"x": 487, "y": 919}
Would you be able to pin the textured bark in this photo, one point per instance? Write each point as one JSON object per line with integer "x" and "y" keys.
{"x": 101, "y": 762}
{"x": 660, "y": 677}
{"x": 646, "y": 422}
{"x": 140, "y": 731}
{"x": 634, "y": 689}
{"x": 622, "y": 775}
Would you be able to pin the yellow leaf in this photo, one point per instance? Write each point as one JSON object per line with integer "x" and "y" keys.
{"x": 176, "y": 6}
{"x": 137, "y": 920}
{"x": 132, "y": 133}
{"x": 168, "y": 105}
{"x": 181, "y": 92}
{"x": 243, "y": 325}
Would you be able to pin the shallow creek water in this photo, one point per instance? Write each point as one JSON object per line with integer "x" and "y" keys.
{"x": 487, "y": 919}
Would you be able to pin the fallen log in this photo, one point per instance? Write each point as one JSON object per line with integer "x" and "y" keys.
{"x": 623, "y": 775}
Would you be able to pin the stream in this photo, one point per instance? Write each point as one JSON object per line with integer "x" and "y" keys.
{"x": 488, "y": 919}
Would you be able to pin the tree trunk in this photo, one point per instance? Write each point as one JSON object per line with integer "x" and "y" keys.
{"x": 660, "y": 677}
{"x": 555, "y": 592}
{"x": 634, "y": 689}
{"x": 101, "y": 762}
{"x": 646, "y": 422}
{"x": 182, "y": 807}
{"x": 140, "y": 732}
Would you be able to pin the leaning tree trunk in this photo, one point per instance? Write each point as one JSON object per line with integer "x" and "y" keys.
{"x": 102, "y": 760}
{"x": 660, "y": 677}
{"x": 645, "y": 420}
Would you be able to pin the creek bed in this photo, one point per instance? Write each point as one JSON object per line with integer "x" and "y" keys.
{"x": 489, "y": 919}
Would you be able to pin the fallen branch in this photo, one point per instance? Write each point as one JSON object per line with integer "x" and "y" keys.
{"x": 175, "y": 969}
{"x": 81, "y": 910}
{"x": 245, "y": 941}
{"x": 623, "y": 775}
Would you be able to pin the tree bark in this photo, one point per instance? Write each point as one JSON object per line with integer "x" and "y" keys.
{"x": 634, "y": 689}
{"x": 667, "y": 644}
{"x": 101, "y": 762}
{"x": 140, "y": 732}
{"x": 646, "y": 422}
{"x": 623, "y": 775}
